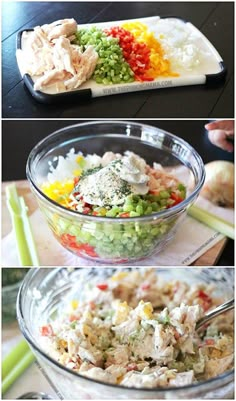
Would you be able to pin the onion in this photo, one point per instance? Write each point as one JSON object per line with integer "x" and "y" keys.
{"x": 219, "y": 184}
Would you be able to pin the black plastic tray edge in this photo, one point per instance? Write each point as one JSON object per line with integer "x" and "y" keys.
{"x": 87, "y": 93}
{"x": 217, "y": 77}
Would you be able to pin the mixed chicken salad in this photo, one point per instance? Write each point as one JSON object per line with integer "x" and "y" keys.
{"x": 64, "y": 55}
{"x": 114, "y": 186}
{"x": 136, "y": 330}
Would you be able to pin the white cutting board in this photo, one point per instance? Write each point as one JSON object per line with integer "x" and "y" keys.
{"x": 210, "y": 63}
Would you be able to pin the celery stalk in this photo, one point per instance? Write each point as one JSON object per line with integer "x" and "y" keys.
{"x": 26, "y": 249}
{"x": 17, "y": 370}
{"x": 13, "y": 357}
{"x": 212, "y": 221}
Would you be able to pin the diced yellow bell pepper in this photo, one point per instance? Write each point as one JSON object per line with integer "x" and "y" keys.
{"x": 159, "y": 64}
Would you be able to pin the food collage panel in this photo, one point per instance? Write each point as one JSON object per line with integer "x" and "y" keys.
{"x": 117, "y": 246}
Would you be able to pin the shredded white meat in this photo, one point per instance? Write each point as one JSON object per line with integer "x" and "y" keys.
{"x": 50, "y": 57}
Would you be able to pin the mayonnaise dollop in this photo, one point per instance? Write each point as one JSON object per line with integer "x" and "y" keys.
{"x": 114, "y": 182}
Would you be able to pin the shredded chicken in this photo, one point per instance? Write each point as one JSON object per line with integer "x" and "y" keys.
{"x": 64, "y": 27}
{"x": 50, "y": 78}
{"x": 159, "y": 180}
{"x": 50, "y": 56}
{"x": 62, "y": 55}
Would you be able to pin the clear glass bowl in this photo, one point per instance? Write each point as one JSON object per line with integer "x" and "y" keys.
{"x": 9, "y": 295}
{"x": 44, "y": 291}
{"x": 107, "y": 239}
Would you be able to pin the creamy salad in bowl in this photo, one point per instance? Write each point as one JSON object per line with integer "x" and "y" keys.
{"x": 136, "y": 330}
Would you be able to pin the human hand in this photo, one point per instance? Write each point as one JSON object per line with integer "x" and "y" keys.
{"x": 219, "y": 133}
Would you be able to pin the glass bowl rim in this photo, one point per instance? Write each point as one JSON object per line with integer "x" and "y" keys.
{"x": 25, "y": 331}
{"x": 154, "y": 216}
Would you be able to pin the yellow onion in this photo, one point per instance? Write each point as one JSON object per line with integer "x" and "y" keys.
{"x": 219, "y": 184}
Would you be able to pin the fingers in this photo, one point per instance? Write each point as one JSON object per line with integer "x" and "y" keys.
{"x": 218, "y": 138}
{"x": 227, "y": 125}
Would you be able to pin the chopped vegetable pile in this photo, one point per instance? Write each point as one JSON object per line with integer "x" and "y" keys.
{"x": 158, "y": 64}
{"x": 135, "y": 330}
{"x": 134, "y": 53}
{"x": 111, "y": 67}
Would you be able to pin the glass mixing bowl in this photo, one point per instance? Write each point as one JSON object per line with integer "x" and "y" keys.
{"x": 45, "y": 290}
{"x": 107, "y": 239}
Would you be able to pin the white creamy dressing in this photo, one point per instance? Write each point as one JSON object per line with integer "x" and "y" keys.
{"x": 112, "y": 184}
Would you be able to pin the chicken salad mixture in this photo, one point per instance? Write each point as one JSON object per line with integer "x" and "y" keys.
{"x": 136, "y": 330}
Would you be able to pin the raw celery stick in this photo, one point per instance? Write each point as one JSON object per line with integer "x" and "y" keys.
{"x": 25, "y": 243}
{"x": 17, "y": 370}
{"x": 13, "y": 357}
{"x": 212, "y": 221}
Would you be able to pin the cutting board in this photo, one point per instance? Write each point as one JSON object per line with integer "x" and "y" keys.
{"x": 209, "y": 258}
{"x": 211, "y": 68}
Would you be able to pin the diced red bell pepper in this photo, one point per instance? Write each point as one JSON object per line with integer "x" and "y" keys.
{"x": 203, "y": 295}
{"x": 210, "y": 341}
{"x": 144, "y": 78}
{"x": 176, "y": 198}
{"x": 125, "y": 214}
{"x": 102, "y": 287}
{"x": 86, "y": 210}
{"x": 88, "y": 249}
{"x": 73, "y": 318}
{"x": 136, "y": 54}
{"x": 206, "y": 300}
{"x": 76, "y": 180}
{"x": 46, "y": 331}
{"x": 69, "y": 241}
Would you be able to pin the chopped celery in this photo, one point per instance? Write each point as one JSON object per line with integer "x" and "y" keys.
{"x": 111, "y": 67}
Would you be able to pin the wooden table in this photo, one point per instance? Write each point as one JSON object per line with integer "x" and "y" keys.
{"x": 214, "y": 19}
{"x": 210, "y": 258}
